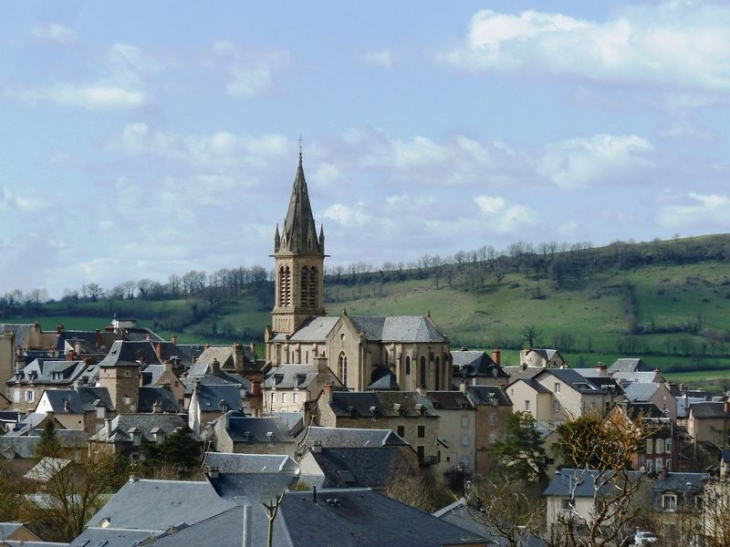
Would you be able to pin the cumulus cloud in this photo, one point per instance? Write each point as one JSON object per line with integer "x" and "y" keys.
{"x": 382, "y": 58}
{"x": 348, "y": 216}
{"x": 53, "y": 33}
{"x": 503, "y": 217}
{"x": 250, "y": 74}
{"x": 696, "y": 210}
{"x": 674, "y": 45}
{"x": 577, "y": 163}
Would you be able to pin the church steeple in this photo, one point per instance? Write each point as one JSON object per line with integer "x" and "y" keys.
{"x": 299, "y": 262}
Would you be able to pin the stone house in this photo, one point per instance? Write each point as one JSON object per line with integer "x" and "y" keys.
{"x": 493, "y": 407}
{"x": 541, "y": 358}
{"x": 478, "y": 368}
{"x": 287, "y": 388}
{"x": 456, "y": 435}
{"x": 709, "y": 421}
{"x": 237, "y": 433}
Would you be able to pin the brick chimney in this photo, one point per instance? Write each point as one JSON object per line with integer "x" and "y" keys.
{"x": 108, "y": 427}
{"x": 463, "y": 385}
{"x": 215, "y": 366}
{"x": 256, "y": 386}
{"x": 327, "y": 392}
{"x": 601, "y": 368}
{"x": 238, "y": 356}
{"x": 496, "y": 356}
{"x": 158, "y": 349}
{"x": 97, "y": 339}
{"x": 70, "y": 355}
{"x": 173, "y": 339}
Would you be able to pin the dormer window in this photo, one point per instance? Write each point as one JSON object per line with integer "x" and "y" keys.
{"x": 159, "y": 435}
{"x": 136, "y": 436}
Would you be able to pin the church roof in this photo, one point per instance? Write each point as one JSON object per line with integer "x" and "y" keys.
{"x": 299, "y": 234}
{"x": 399, "y": 329}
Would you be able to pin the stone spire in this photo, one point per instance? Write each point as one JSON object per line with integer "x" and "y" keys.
{"x": 299, "y": 233}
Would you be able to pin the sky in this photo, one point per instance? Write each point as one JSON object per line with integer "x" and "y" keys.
{"x": 142, "y": 139}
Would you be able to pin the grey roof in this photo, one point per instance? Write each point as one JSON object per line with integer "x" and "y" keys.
{"x": 123, "y": 424}
{"x": 220, "y": 378}
{"x": 49, "y": 371}
{"x": 315, "y": 329}
{"x": 575, "y": 380}
{"x": 291, "y": 376}
{"x": 449, "y": 400}
{"x": 47, "y": 468}
{"x": 149, "y": 396}
{"x": 707, "y": 409}
{"x": 256, "y": 430}
{"x": 581, "y": 483}
{"x": 212, "y": 397}
{"x": 474, "y": 520}
{"x": 383, "y": 379}
{"x": 469, "y": 364}
{"x": 130, "y": 353}
{"x": 640, "y": 392}
{"x": 114, "y": 537}
{"x": 18, "y": 447}
{"x": 681, "y": 483}
{"x": 371, "y": 467}
{"x": 534, "y": 384}
{"x": 626, "y": 364}
{"x": 351, "y": 437}
{"x": 226, "y": 462}
{"x": 399, "y": 329}
{"x": 638, "y": 377}
{"x": 351, "y": 403}
{"x": 488, "y": 395}
{"x": 299, "y": 232}
{"x": 144, "y": 504}
{"x": 256, "y": 487}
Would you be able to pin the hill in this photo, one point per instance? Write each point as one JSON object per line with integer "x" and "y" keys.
{"x": 666, "y": 301}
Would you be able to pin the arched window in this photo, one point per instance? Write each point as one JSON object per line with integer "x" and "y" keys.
{"x": 284, "y": 287}
{"x": 312, "y": 287}
{"x": 422, "y": 376}
{"x": 438, "y": 374}
{"x": 305, "y": 288}
{"x": 342, "y": 362}
{"x": 408, "y": 364}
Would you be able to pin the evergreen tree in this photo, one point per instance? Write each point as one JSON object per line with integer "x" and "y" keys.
{"x": 521, "y": 456}
{"x": 179, "y": 452}
{"x": 49, "y": 445}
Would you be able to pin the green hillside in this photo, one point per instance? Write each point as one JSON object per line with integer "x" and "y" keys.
{"x": 666, "y": 301}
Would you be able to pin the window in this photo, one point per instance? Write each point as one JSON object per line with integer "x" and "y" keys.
{"x": 668, "y": 446}
{"x": 659, "y": 446}
{"x": 408, "y": 364}
{"x": 421, "y": 431}
{"x": 401, "y": 431}
{"x": 136, "y": 438}
{"x": 420, "y": 453}
{"x": 556, "y": 406}
{"x": 100, "y": 412}
{"x": 492, "y": 418}
{"x": 557, "y": 387}
{"x": 437, "y": 369}
{"x": 295, "y": 398}
{"x": 465, "y": 440}
{"x": 30, "y": 396}
{"x": 422, "y": 377}
{"x": 669, "y": 502}
{"x": 527, "y": 406}
{"x": 649, "y": 466}
{"x": 284, "y": 287}
{"x": 343, "y": 368}
{"x": 283, "y": 398}
{"x": 649, "y": 446}
{"x": 16, "y": 396}
{"x": 492, "y": 438}
{"x": 465, "y": 421}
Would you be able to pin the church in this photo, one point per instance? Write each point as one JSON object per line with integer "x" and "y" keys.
{"x": 403, "y": 353}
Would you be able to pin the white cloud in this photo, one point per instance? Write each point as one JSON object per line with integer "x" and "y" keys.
{"x": 577, "y": 163}
{"x": 250, "y": 73}
{"x": 348, "y": 216}
{"x": 505, "y": 218}
{"x": 53, "y": 33}
{"x": 382, "y": 58}
{"x": 697, "y": 210}
{"x": 673, "y": 45}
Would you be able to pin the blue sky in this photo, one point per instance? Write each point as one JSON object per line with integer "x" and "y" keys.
{"x": 141, "y": 139}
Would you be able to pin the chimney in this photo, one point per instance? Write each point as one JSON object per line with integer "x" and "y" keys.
{"x": 158, "y": 349}
{"x": 256, "y": 386}
{"x": 497, "y": 356}
{"x": 173, "y": 339}
{"x": 463, "y": 385}
{"x": 321, "y": 362}
{"x": 77, "y": 347}
{"x": 601, "y": 368}
{"x": 168, "y": 365}
{"x": 78, "y": 383}
{"x": 108, "y": 427}
{"x": 247, "y": 526}
{"x": 98, "y": 339}
{"x": 215, "y": 366}
{"x": 157, "y": 407}
{"x": 327, "y": 392}
{"x": 70, "y": 355}
{"x": 59, "y": 328}
{"x": 238, "y": 356}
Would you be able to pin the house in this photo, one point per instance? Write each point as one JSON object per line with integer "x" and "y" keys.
{"x": 410, "y": 414}
{"x": 288, "y": 387}
{"x": 27, "y": 385}
{"x": 660, "y": 448}
{"x": 17, "y": 531}
{"x": 577, "y": 495}
{"x": 79, "y": 408}
{"x": 657, "y": 393}
{"x": 236, "y": 358}
{"x": 235, "y": 432}
{"x": 709, "y": 421}
{"x": 629, "y": 364}
{"x": 456, "y": 435}
{"x": 209, "y": 402}
{"x": 493, "y": 406}
{"x": 678, "y": 492}
{"x": 478, "y": 368}
{"x": 126, "y": 434}
{"x": 412, "y": 348}
{"x": 541, "y": 358}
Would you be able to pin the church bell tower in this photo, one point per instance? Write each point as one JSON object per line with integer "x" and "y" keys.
{"x": 299, "y": 263}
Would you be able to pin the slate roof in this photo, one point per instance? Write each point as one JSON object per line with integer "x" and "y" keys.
{"x": 145, "y": 504}
{"x": 488, "y": 395}
{"x": 449, "y": 400}
{"x": 534, "y": 384}
{"x": 250, "y": 463}
{"x": 47, "y": 468}
{"x": 149, "y": 395}
{"x": 351, "y": 403}
{"x": 383, "y": 379}
{"x": 399, "y": 329}
{"x": 640, "y": 392}
{"x": 129, "y": 353}
{"x": 653, "y": 376}
{"x": 629, "y": 365}
{"x": 48, "y": 371}
{"x": 370, "y": 467}
{"x": 221, "y": 378}
{"x": 350, "y": 437}
{"x": 121, "y": 427}
{"x": 291, "y": 376}
{"x": 643, "y": 410}
{"x": 574, "y": 380}
{"x": 255, "y": 430}
{"x": 314, "y": 329}
{"x": 114, "y": 537}
{"x": 12, "y": 447}
{"x": 582, "y": 483}
{"x": 707, "y": 409}
{"x": 471, "y": 519}
{"x": 470, "y": 364}
{"x": 681, "y": 483}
